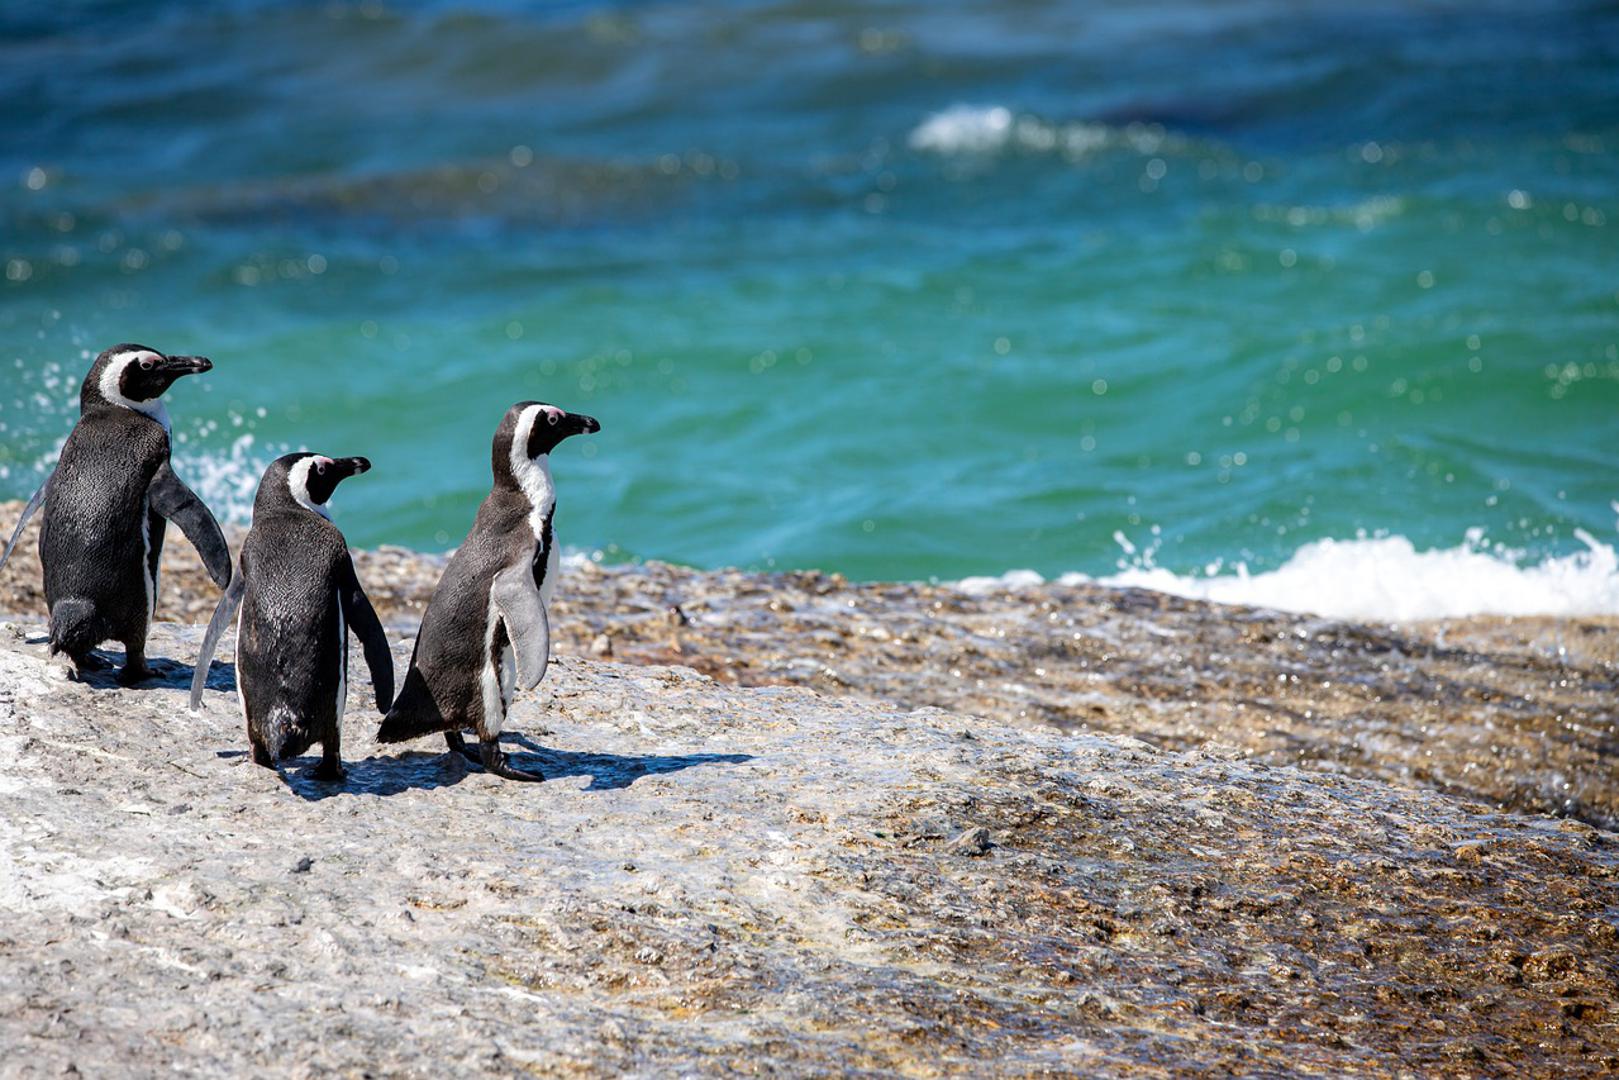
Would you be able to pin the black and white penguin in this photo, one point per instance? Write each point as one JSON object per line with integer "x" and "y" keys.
{"x": 106, "y": 508}
{"x": 299, "y": 596}
{"x": 486, "y": 631}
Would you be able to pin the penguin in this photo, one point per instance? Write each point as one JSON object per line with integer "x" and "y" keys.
{"x": 107, "y": 505}
{"x": 298, "y": 597}
{"x": 486, "y": 631}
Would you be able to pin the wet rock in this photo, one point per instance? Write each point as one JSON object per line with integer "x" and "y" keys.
{"x": 1146, "y": 910}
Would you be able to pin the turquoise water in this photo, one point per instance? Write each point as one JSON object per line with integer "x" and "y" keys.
{"x": 904, "y": 290}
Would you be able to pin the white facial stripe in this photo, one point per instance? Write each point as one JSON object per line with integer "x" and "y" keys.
{"x": 533, "y": 474}
{"x": 525, "y": 429}
{"x": 298, "y": 484}
{"x": 113, "y": 375}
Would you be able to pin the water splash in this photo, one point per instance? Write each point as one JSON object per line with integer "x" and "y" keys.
{"x": 1381, "y": 577}
{"x": 227, "y": 481}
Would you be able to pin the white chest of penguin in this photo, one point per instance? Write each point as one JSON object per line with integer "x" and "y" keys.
{"x": 534, "y": 478}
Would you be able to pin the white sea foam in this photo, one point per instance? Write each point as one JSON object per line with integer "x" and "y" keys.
{"x": 1385, "y": 578}
{"x": 990, "y": 129}
{"x": 225, "y": 481}
{"x": 964, "y": 128}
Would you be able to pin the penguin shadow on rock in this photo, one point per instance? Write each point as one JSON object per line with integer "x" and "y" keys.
{"x": 369, "y": 776}
{"x": 427, "y": 771}
{"x": 100, "y": 669}
{"x": 610, "y": 772}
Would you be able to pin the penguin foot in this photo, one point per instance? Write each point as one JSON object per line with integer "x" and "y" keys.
{"x": 495, "y": 763}
{"x": 458, "y": 744}
{"x": 330, "y": 769}
{"x": 91, "y": 662}
{"x": 134, "y": 674}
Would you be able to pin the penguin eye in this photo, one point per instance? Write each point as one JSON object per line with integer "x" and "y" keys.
{"x": 551, "y": 418}
{"x": 320, "y": 467}
{"x": 146, "y": 364}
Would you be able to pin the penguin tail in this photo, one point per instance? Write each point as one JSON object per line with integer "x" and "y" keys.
{"x": 282, "y": 734}
{"x": 74, "y": 628}
{"x": 414, "y": 713}
{"x": 272, "y": 732}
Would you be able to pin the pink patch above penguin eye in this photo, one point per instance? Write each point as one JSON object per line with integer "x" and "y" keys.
{"x": 146, "y": 365}
{"x": 551, "y": 417}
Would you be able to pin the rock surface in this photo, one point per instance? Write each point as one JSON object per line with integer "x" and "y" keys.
{"x": 1516, "y": 712}
{"x": 719, "y": 878}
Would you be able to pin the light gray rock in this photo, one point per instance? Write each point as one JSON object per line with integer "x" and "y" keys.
{"x": 722, "y": 880}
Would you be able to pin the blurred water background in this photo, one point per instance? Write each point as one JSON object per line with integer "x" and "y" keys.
{"x": 1248, "y": 298}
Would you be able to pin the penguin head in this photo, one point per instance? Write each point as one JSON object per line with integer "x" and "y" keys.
{"x": 307, "y": 479}
{"x": 532, "y": 429}
{"x": 134, "y": 377}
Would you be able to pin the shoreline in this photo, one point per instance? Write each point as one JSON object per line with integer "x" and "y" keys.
{"x": 1514, "y": 712}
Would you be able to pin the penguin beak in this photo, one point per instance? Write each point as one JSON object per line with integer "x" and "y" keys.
{"x": 351, "y": 466}
{"x": 582, "y": 425}
{"x": 185, "y": 365}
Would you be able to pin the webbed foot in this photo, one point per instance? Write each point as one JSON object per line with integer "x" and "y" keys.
{"x": 331, "y": 771}
{"x": 495, "y": 763}
{"x": 331, "y": 766}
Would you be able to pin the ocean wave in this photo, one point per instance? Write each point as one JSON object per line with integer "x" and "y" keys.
{"x": 1383, "y": 578}
{"x": 991, "y": 129}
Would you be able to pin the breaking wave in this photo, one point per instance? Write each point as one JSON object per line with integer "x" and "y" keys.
{"x": 1384, "y": 578}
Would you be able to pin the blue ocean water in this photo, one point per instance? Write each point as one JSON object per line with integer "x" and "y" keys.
{"x": 909, "y": 289}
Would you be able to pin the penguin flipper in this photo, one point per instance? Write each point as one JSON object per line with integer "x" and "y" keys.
{"x": 22, "y": 523}
{"x": 527, "y": 624}
{"x": 414, "y": 713}
{"x": 170, "y": 497}
{"x": 223, "y": 614}
{"x": 362, "y": 619}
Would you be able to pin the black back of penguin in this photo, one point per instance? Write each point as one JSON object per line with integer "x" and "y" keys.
{"x": 99, "y": 542}
{"x": 298, "y": 593}
{"x": 291, "y": 650}
{"x": 105, "y": 505}
{"x": 298, "y": 597}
